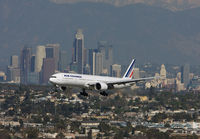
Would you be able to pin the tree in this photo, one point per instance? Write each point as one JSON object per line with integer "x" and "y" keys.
{"x": 4, "y": 134}
{"x": 167, "y": 125}
{"x": 21, "y": 122}
{"x": 90, "y": 134}
{"x": 75, "y": 126}
{"x": 159, "y": 117}
{"x": 104, "y": 127}
{"x": 61, "y": 124}
{"x": 155, "y": 134}
{"x": 46, "y": 119}
{"x": 60, "y": 136}
{"x": 32, "y": 133}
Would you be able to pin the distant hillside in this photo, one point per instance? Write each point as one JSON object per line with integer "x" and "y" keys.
{"x": 173, "y": 5}
{"x": 147, "y": 33}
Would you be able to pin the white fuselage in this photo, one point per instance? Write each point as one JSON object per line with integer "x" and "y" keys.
{"x": 82, "y": 80}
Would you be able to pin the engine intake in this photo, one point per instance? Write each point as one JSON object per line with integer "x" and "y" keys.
{"x": 101, "y": 86}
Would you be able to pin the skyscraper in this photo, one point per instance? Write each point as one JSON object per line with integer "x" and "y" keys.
{"x": 13, "y": 74}
{"x": 91, "y": 60}
{"x": 40, "y": 55}
{"x": 62, "y": 61}
{"x": 78, "y": 51}
{"x": 115, "y": 70}
{"x": 25, "y": 64}
{"x": 163, "y": 72}
{"x": 185, "y": 78}
{"x": 14, "y": 61}
{"x": 48, "y": 69}
{"x": 52, "y": 51}
{"x": 98, "y": 63}
{"x": 13, "y": 71}
{"x": 32, "y": 63}
{"x": 107, "y": 53}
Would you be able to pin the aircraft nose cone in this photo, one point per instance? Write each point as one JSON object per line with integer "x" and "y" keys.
{"x": 51, "y": 80}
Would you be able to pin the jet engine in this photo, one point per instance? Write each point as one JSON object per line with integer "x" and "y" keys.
{"x": 101, "y": 86}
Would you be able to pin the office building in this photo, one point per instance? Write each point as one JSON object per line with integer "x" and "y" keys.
{"x": 87, "y": 69}
{"x": 115, "y": 70}
{"x": 14, "y": 61}
{"x": 107, "y": 53}
{"x": 91, "y": 60}
{"x": 48, "y": 69}
{"x": 52, "y": 51}
{"x": 32, "y": 63}
{"x": 98, "y": 63}
{"x": 185, "y": 72}
{"x": 25, "y": 64}
{"x": 78, "y": 51}
{"x": 40, "y": 55}
{"x": 13, "y": 71}
{"x": 13, "y": 74}
{"x": 163, "y": 72}
{"x": 62, "y": 61}
{"x": 74, "y": 67}
{"x": 33, "y": 78}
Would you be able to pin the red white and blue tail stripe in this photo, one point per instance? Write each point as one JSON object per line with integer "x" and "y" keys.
{"x": 130, "y": 70}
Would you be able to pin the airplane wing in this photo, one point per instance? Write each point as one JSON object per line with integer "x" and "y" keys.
{"x": 125, "y": 81}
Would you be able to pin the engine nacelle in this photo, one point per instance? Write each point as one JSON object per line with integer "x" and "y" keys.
{"x": 101, "y": 86}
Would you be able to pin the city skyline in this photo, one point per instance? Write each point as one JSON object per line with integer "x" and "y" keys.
{"x": 36, "y": 66}
{"x": 156, "y": 38}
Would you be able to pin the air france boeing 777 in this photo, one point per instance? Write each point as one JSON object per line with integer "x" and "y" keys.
{"x": 98, "y": 83}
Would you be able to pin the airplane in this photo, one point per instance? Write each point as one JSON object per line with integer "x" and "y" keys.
{"x": 93, "y": 82}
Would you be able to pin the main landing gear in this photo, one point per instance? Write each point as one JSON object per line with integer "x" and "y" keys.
{"x": 103, "y": 93}
{"x": 83, "y": 93}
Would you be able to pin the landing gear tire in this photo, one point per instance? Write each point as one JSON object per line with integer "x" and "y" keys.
{"x": 103, "y": 93}
{"x": 84, "y": 93}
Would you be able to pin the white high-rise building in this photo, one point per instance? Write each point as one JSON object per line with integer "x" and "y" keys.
{"x": 98, "y": 63}
{"x": 115, "y": 70}
{"x": 14, "y": 61}
{"x": 163, "y": 72}
{"x": 40, "y": 55}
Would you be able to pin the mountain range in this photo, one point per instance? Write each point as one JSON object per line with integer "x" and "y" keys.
{"x": 151, "y": 34}
{"x": 173, "y": 5}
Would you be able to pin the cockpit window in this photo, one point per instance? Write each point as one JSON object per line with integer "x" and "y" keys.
{"x": 53, "y": 76}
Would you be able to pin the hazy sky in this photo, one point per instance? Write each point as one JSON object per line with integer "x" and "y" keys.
{"x": 145, "y": 32}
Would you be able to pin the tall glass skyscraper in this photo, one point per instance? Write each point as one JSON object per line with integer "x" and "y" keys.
{"x": 25, "y": 64}
{"x": 78, "y": 51}
{"x": 185, "y": 71}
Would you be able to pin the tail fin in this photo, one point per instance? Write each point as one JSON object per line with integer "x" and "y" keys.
{"x": 129, "y": 71}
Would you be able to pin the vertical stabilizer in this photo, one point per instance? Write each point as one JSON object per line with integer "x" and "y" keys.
{"x": 130, "y": 70}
